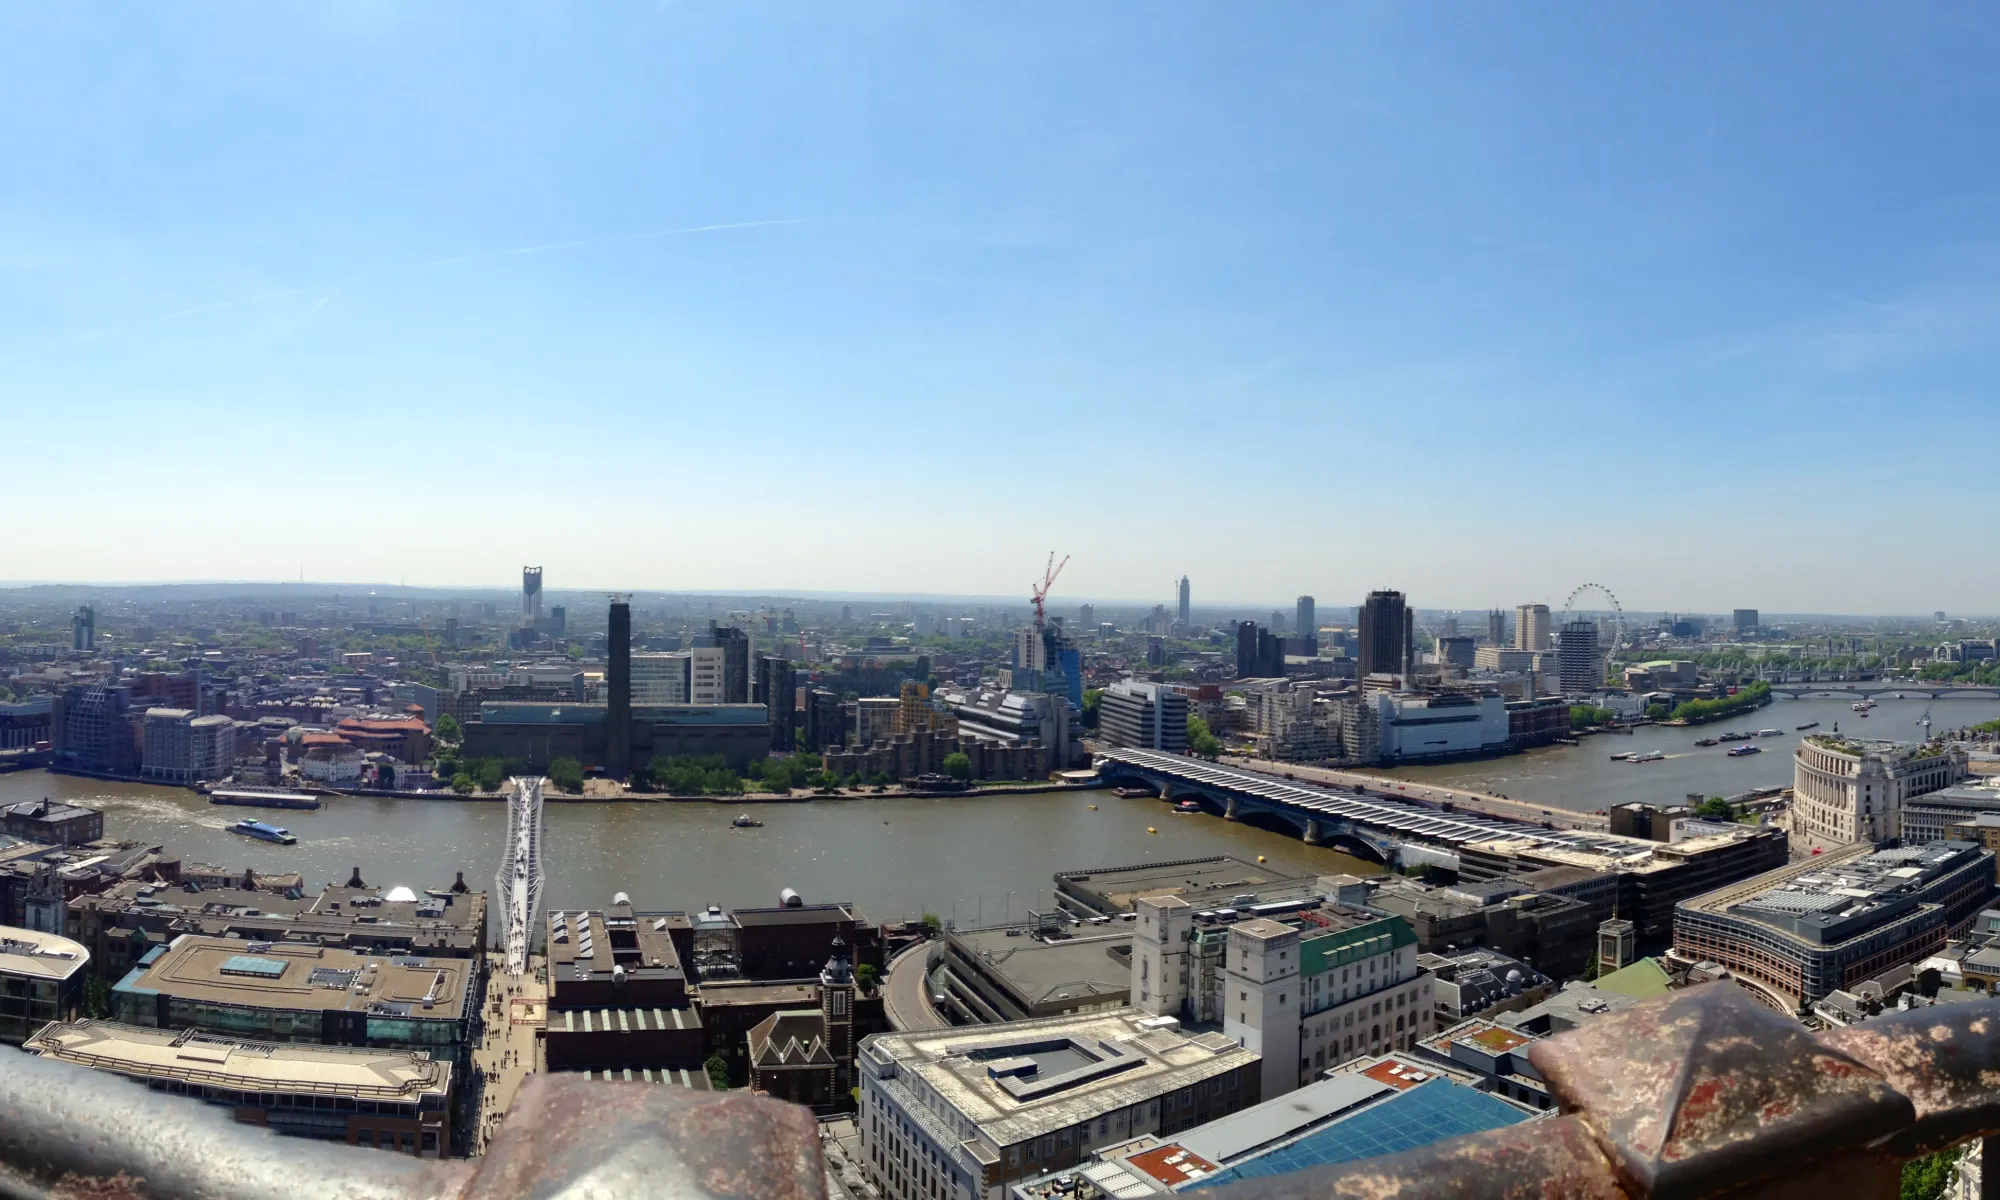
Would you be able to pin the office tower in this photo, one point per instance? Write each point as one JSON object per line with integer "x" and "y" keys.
{"x": 1246, "y": 650}
{"x": 1579, "y": 667}
{"x": 558, "y": 620}
{"x": 777, "y": 686}
{"x": 618, "y": 691}
{"x": 1184, "y": 600}
{"x": 1496, "y": 628}
{"x": 531, "y": 596}
{"x": 451, "y": 632}
{"x": 1746, "y": 619}
{"x": 1277, "y": 625}
{"x": 735, "y": 646}
{"x": 1450, "y": 626}
{"x": 1386, "y": 628}
{"x": 1086, "y": 617}
{"x": 1531, "y": 627}
{"x": 83, "y": 629}
{"x": 705, "y": 674}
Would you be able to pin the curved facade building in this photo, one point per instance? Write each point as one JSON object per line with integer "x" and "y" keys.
{"x": 1852, "y": 789}
{"x": 1836, "y": 919}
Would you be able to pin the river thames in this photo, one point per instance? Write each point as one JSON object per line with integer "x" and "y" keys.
{"x": 1583, "y": 777}
{"x": 895, "y": 858}
{"x": 975, "y": 859}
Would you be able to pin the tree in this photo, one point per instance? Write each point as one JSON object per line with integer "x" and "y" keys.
{"x": 567, "y": 774}
{"x": 1926, "y": 1178}
{"x": 385, "y": 776}
{"x": 865, "y": 977}
{"x": 718, "y": 1072}
{"x": 958, "y": 766}
{"x": 1658, "y": 712}
{"x": 488, "y": 772}
{"x": 1715, "y": 808}
{"x": 463, "y": 784}
{"x": 1092, "y": 697}
{"x": 96, "y": 999}
{"x": 1201, "y": 742}
{"x": 447, "y": 730}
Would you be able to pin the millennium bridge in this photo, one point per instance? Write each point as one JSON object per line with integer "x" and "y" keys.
{"x": 1396, "y": 832}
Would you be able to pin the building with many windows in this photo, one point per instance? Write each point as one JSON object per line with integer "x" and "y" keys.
{"x": 1579, "y": 662}
{"x": 1849, "y": 789}
{"x": 1531, "y": 627}
{"x": 1838, "y": 918}
{"x": 290, "y": 992}
{"x": 1388, "y": 636}
{"x": 660, "y": 679}
{"x": 1148, "y": 716}
{"x": 41, "y": 980}
{"x": 386, "y": 1099}
{"x": 1306, "y": 986}
{"x": 957, "y": 1114}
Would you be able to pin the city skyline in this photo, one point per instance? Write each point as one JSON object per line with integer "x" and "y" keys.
{"x": 637, "y": 282}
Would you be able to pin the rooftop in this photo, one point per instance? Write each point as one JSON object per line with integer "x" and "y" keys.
{"x": 1202, "y": 882}
{"x": 586, "y": 945}
{"x": 1429, "y": 1112}
{"x": 279, "y": 975}
{"x": 31, "y": 954}
{"x": 1834, "y": 897}
{"x": 1040, "y": 971}
{"x": 190, "y": 1056}
{"x": 1029, "y": 1078}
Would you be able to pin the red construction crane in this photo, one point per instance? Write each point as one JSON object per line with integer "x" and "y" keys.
{"x": 1041, "y": 590}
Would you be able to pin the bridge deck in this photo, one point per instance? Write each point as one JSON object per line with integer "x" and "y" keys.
{"x": 1394, "y": 816}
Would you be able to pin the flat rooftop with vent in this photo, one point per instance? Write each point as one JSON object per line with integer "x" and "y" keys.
{"x": 397, "y": 1099}
{"x": 615, "y": 957}
{"x": 998, "y": 1104}
{"x": 298, "y": 992}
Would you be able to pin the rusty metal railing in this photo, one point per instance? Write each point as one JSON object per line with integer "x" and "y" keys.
{"x": 1708, "y": 1093}
{"x": 1702, "y": 1093}
{"x": 70, "y": 1133}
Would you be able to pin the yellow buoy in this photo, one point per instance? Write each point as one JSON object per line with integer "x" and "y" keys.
{"x": 1150, "y": 829}
{"x": 1260, "y": 858}
{"x": 1093, "y": 808}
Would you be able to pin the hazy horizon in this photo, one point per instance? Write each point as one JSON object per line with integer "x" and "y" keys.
{"x": 1059, "y": 603}
{"x": 1698, "y": 303}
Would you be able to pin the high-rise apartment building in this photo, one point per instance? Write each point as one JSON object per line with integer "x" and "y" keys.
{"x": 825, "y": 726}
{"x": 531, "y": 596}
{"x": 1260, "y": 654}
{"x": 83, "y": 629}
{"x": 735, "y": 647}
{"x": 1388, "y": 635}
{"x": 1086, "y": 618}
{"x": 1579, "y": 665}
{"x": 777, "y": 689}
{"x": 618, "y": 691}
{"x": 1184, "y": 600}
{"x": 1531, "y": 627}
{"x": 1306, "y": 618}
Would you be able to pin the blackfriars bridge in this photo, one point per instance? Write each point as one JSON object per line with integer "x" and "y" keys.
{"x": 1395, "y": 832}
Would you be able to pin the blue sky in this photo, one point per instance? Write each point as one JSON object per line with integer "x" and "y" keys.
{"x": 1476, "y": 301}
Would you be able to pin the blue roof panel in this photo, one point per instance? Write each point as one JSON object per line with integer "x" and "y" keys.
{"x": 1429, "y": 1112}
